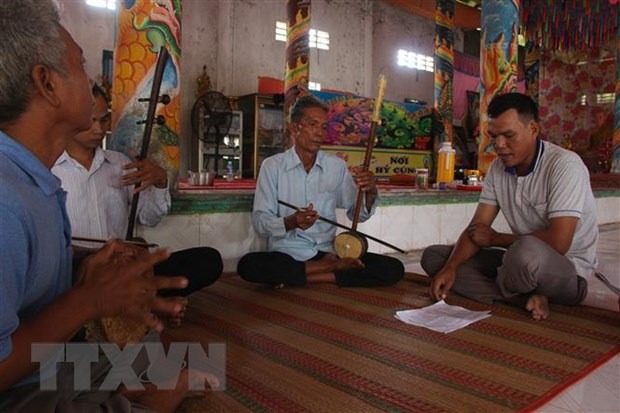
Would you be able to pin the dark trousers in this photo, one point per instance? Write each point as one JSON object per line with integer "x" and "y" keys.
{"x": 280, "y": 268}
{"x": 202, "y": 266}
{"x": 529, "y": 266}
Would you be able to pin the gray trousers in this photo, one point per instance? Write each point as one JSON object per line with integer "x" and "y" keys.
{"x": 529, "y": 266}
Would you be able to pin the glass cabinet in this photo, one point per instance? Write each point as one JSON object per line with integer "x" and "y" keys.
{"x": 263, "y": 133}
{"x": 215, "y": 152}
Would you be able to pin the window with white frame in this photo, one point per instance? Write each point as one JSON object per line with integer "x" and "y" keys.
{"x": 314, "y": 86}
{"x": 602, "y": 98}
{"x": 415, "y": 60}
{"x": 106, "y": 4}
{"x": 319, "y": 39}
{"x": 281, "y": 31}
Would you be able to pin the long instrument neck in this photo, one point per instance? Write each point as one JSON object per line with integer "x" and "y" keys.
{"x": 162, "y": 58}
{"x": 365, "y": 166}
{"x": 376, "y": 118}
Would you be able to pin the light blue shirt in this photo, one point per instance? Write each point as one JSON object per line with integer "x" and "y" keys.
{"x": 328, "y": 185}
{"x": 35, "y": 241}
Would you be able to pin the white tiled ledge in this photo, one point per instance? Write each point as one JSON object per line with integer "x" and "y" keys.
{"x": 409, "y": 227}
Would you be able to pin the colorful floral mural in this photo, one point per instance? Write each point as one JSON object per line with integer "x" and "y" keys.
{"x": 499, "y": 56}
{"x": 404, "y": 125}
{"x": 144, "y": 27}
{"x": 444, "y": 65}
{"x": 403, "y": 141}
{"x": 572, "y": 95}
{"x": 297, "y": 68}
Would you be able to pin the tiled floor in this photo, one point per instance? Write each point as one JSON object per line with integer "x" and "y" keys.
{"x": 599, "y": 392}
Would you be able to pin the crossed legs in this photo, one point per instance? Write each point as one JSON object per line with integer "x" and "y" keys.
{"x": 529, "y": 273}
{"x": 276, "y": 268}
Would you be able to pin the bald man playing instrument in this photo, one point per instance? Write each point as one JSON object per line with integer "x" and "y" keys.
{"x": 300, "y": 246}
{"x": 45, "y": 98}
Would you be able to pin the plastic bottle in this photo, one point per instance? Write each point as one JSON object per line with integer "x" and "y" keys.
{"x": 445, "y": 163}
{"x": 230, "y": 173}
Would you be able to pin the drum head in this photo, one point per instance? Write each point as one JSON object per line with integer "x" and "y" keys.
{"x": 350, "y": 245}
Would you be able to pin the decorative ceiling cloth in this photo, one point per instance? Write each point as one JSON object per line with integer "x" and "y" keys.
{"x": 570, "y": 24}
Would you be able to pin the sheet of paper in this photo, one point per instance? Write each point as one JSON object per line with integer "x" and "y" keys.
{"x": 441, "y": 317}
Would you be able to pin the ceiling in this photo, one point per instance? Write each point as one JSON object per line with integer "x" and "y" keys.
{"x": 466, "y": 12}
{"x": 553, "y": 24}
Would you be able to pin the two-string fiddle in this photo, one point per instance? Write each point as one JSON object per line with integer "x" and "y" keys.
{"x": 122, "y": 329}
{"x": 352, "y": 243}
{"x": 153, "y": 100}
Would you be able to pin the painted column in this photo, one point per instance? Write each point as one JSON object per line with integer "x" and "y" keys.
{"x": 498, "y": 64}
{"x": 142, "y": 28}
{"x": 297, "y": 71}
{"x": 532, "y": 70}
{"x": 444, "y": 67}
{"x": 615, "y": 157}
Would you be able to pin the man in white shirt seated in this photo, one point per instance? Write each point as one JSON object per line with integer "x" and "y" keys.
{"x": 100, "y": 186}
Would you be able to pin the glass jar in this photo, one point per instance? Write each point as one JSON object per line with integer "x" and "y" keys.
{"x": 422, "y": 178}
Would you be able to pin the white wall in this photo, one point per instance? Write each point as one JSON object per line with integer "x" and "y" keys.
{"x": 93, "y": 28}
{"x": 235, "y": 39}
{"x": 199, "y": 43}
{"x": 394, "y": 29}
{"x": 422, "y": 225}
{"x": 347, "y": 65}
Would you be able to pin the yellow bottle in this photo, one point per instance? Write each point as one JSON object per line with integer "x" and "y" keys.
{"x": 445, "y": 163}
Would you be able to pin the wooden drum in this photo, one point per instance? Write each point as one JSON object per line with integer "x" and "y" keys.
{"x": 120, "y": 329}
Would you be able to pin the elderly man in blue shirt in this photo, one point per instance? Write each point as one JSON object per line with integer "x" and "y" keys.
{"x": 45, "y": 97}
{"x": 301, "y": 247}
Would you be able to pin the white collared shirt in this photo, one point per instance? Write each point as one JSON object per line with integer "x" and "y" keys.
{"x": 98, "y": 204}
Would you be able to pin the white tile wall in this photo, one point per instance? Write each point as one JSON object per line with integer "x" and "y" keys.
{"x": 409, "y": 227}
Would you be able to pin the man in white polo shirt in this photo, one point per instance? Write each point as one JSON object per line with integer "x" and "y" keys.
{"x": 544, "y": 193}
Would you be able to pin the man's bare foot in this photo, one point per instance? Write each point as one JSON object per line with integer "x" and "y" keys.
{"x": 348, "y": 264}
{"x": 322, "y": 270}
{"x": 327, "y": 277}
{"x": 538, "y": 305}
{"x": 175, "y": 320}
{"x": 168, "y": 400}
